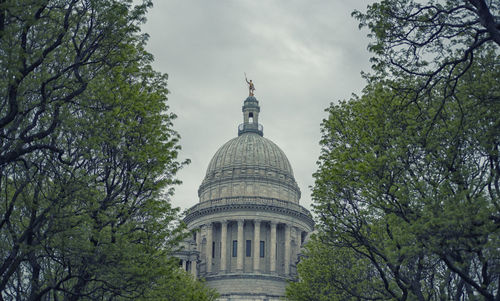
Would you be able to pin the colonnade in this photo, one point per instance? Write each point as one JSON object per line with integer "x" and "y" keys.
{"x": 189, "y": 266}
{"x": 256, "y": 241}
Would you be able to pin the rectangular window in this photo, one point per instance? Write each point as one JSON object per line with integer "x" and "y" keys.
{"x": 262, "y": 249}
{"x": 213, "y": 249}
{"x": 249, "y": 248}
{"x": 235, "y": 248}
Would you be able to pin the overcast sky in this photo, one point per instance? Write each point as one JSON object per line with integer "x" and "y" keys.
{"x": 301, "y": 55}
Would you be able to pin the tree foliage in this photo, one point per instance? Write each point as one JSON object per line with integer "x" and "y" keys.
{"x": 88, "y": 156}
{"x": 181, "y": 286}
{"x": 436, "y": 40}
{"x": 412, "y": 187}
{"x": 407, "y": 189}
{"x": 330, "y": 273}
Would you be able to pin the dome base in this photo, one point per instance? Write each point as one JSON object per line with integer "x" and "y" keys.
{"x": 254, "y": 287}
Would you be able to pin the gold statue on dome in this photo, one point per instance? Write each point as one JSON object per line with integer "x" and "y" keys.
{"x": 251, "y": 87}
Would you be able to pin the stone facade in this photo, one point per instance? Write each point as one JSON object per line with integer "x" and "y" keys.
{"x": 249, "y": 224}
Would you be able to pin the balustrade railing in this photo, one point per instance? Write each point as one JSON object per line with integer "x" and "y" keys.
{"x": 250, "y": 128}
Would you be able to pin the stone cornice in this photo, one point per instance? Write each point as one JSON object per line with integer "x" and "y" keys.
{"x": 248, "y": 203}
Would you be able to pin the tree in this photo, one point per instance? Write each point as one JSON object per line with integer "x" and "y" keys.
{"x": 88, "y": 156}
{"x": 330, "y": 273}
{"x": 408, "y": 177}
{"x": 50, "y": 52}
{"x": 413, "y": 186}
{"x": 182, "y": 287}
{"x": 436, "y": 40}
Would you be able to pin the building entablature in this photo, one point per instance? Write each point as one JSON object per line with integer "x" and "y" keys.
{"x": 267, "y": 209}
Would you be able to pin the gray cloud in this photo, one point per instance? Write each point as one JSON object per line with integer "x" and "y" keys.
{"x": 302, "y": 55}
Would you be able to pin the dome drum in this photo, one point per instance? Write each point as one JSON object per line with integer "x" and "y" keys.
{"x": 250, "y": 182}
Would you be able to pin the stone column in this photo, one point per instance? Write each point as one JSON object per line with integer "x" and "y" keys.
{"x": 198, "y": 240}
{"x": 209, "y": 247}
{"x": 183, "y": 264}
{"x": 193, "y": 268}
{"x": 240, "y": 255}
{"x": 298, "y": 239}
{"x": 223, "y": 248}
{"x": 272, "y": 248}
{"x": 287, "y": 249}
{"x": 298, "y": 234}
{"x": 256, "y": 245}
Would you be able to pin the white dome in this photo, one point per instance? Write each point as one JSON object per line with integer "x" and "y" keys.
{"x": 249, "y": 165}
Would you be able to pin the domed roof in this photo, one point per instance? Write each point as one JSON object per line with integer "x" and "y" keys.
{"x": 250, "y": 150}
{"x": 249, "y": 165}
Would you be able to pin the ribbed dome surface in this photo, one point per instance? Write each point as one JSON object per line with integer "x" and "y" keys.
{"x": 250, "y": 150}
{"x": 249, "y": 166}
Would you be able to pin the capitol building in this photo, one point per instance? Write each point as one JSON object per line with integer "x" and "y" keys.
{"x": 249, "y": 224}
